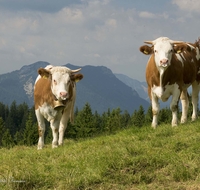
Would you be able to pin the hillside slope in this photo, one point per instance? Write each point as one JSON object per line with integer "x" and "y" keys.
{"x": 135, "y": 158}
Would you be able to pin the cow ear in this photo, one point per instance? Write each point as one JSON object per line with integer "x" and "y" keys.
{"x": 76, "y": 77}
{"x": 43, "y": 73}
{"x": 146, "y": 50}
{"x": 179, "y": 48}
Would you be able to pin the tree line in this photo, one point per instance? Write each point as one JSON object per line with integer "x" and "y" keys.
{"x": 18, "y": 124}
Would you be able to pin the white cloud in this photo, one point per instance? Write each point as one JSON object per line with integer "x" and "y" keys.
{"x": 93, "y": 32}
{"x": 145, "y": 14}
{"x": 111, "y": 23}
{"x": 69, "y": 15}
{"x": 188, "y": 5}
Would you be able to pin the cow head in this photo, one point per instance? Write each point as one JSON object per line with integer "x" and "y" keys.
{"x": 163, "y": 48}
{"x": 62, "y": 80}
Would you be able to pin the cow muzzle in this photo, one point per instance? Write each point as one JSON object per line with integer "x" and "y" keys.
{"x": 63, "y": 95}
{"x": 164, "y": 63}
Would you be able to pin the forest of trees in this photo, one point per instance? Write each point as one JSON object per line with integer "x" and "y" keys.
{"x": 18, "y": 124}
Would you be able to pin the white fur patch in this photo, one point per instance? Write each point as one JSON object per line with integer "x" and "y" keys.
{"x": 164, "y": 95}
{"x": 198, "y": 53}
{"x": 180, "y": 58}
{"x": 48, "y": 112}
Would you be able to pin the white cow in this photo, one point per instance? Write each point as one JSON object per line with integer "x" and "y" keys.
{"x": 54, "y": 97}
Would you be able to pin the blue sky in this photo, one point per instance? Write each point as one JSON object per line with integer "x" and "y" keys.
{"x": 91, "y": 32}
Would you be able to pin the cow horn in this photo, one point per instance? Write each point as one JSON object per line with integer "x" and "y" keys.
{"x": 148, "y": 42}
{"x": 177, "y": 42}
{"x": 76, "y": 70}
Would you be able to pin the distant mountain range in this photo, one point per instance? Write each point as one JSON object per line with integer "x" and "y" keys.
{"x": 100, "y": 88}
{"x": 139, "y": 87}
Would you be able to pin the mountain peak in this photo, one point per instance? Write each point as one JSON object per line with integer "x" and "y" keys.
{"x": 99, "y": 87}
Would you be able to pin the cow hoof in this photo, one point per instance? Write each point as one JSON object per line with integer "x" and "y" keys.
{"x": 194, "y": 119}
{"x": 174, "y": 124}
{"x": 154, "y": 125}
{"x": 183, "y": 121}
{"x": 60, "y": 144}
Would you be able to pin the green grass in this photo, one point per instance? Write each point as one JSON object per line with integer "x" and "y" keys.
{"x": 136, "y": 158}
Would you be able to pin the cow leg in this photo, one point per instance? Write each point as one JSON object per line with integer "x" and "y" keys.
{"x": 55, "y": 126}
{"x": 174, "y": 106}
{"x": 155, "y": 110}
{"x": 62, "y": 127}
{"x": 41, "y": 129}
{"x": 195, "y": 98}
{"x": 185, "y": 105}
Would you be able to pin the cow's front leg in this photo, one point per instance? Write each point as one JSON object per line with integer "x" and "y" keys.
{"x": 63, "y": 126}
{"x": 155, "y": 110}
{"x": 55, "y": 127}
{"x": 41, "y": 129}
{"x": 185, "y": 105}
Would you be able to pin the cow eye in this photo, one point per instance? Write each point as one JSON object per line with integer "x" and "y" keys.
{"x": 54, "y": 81}
{"x": 155, "y": 51}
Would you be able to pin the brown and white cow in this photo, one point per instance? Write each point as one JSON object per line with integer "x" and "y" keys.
{"x": 54, "y": 96}
{"x": 172, "y": 67}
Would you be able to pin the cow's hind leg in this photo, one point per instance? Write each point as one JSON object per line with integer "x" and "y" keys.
{"x": 55, "y": 126}
{"x": 174, "y": 106}
{"x": 195, "y": 98}
{"x": 185, "y": 105}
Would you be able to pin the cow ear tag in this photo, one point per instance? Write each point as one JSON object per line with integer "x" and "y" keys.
{"x": 179, "y": 51}
{"x": 44, "y": 77}
{"x": 77, "y": 80}
{"x": 145, "y": 52}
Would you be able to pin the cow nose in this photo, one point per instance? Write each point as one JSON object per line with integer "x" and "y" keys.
{"x": 63, "y": 94}
{"x": 163, "y": 61}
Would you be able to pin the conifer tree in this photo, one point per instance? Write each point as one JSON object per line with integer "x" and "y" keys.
{"x": 4, "y": 110}
{"x": 165, "y": 115}
{"x": 149, "y": 115}
{"x": 84, "y": 122}
{"x": 2, "y": 130}
{"x": 5, "y": 136}
{"x": 12, "y": 118}
{"x": 138, "y": 117}
{"x": 30, "y": 135}
{"x": 7, "y": 140}
{"x": 114, "y": 120}
{"x": 97, "y": 122}
{"x": 19, "y": 138}
{"x": 125, "y": 119}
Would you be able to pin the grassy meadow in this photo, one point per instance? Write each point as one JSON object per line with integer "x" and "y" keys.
{"x": 135, "y": 158}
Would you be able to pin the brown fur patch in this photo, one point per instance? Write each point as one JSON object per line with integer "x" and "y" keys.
{"x": 43, "y": 93}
